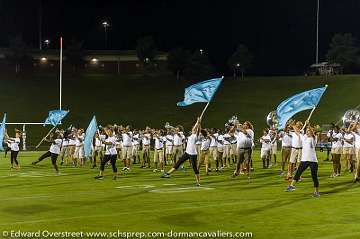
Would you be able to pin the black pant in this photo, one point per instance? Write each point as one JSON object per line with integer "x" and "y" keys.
{"x": 193, "y": 160}
{"x": 106, "y": 159}
{"x": 48, "y": 154}
{"x": 313, "y": 167}
{"x": 13, "y": 157}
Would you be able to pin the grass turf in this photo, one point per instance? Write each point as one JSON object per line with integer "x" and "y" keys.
{"x": 152, "y": 101}
{"x": 35, "y": 199}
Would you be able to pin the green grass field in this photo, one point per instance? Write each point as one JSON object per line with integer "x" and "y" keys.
{"x": 152, "y": 101}
{"x": 35, "y": 199}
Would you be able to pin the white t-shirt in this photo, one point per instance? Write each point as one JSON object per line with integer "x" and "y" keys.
{"x": 220, "y": 141}
{"x": 169, "y": 140}
{"x": 265, "y": 141}
{"x": 146, "y": 139}
{"x": 213, "y": 142}
{"x": 56, "y": 146}
{"x": 177, "y": 140}
{"x": 127, "y": 139}
{"x": 296, "y": 140}
{"x": 350, "y": 137}
{"x": 159, "y": 144}
{"x": 80, "y": 140}
{"x": 191, "y": 145}
{"x": 357, "y": 139}
{"x": 227, "y": 139}
{"x": 308, "y": 152}
{"x": 14, "y": 144}
{"x": 286, "y": 139}
{"x": 336, "y": 140}
{"x": 205, "y": 144}
{"x": 110, "y": 149}
{"x": 244, "y": 140}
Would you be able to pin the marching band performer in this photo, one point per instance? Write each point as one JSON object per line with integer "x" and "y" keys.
{"x": 296, "y": 147}
{"x": 159, "y": 150}
{"x": 265, "y": 141}
{"x": 190, "y": 153}
{"x": 336, "y": 149}
{"x": 79, "y": 147}
{"x": 98, "y": 147}
{"x": 14, "y": 147}
{"x": 308, "y": 159}
{"x": 348, "y": 149}
{"x": 204, "y": 151}
{"x": 146, "y": 139}
{"x": 169, "y": 144}
{"x": 355, "y": 128}
{"x": 285, "y": 138}
{"x": 54, "y": 150}
{"x": 110, "y": 154}
{"x": 244, "y": 136}
{"x": 127, "y": 136}
{"x": 178, "y": 145}
{"x": 136, "y": 147}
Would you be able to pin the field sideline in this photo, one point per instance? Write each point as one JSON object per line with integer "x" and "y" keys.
{"x": 35, "y": 199}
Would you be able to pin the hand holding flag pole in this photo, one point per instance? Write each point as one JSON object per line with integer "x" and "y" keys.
{"x": 54, "y": 118}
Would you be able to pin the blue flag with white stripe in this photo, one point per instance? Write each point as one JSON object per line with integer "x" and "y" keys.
{"x": 55, "y": 117}
{"x": 201, "y": 92}
{"x": 89, "y": 137}
{"x": 2, "y": 132}
{"x": 296, "y": 103}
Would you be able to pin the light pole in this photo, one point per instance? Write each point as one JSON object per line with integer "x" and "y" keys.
{"x": 106, "y": 25}
{"x": 317, "y": 32}
{"x": 201, "y": 51}
{"x": 47, "y": 43}
{"x": 236, "y": 70}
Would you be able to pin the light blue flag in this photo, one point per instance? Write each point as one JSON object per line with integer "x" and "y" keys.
{"x": 2, "y": 132}
{"x": 201, "y": 92}
{"x": 89, "y": 137}
{"x": 296, "y": 103}
{"x": 55, "y": 117}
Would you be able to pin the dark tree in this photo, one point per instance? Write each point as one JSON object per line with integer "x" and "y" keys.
{"x": 18, "y": 52}
{"x": 199, "y": 67}
{"x": 146, "y": 50}
{"x": 74, "y": 55}
{"x": 241, "y": 60}
{"x": 343, "y": 50}
{"x": 178, "y": 60}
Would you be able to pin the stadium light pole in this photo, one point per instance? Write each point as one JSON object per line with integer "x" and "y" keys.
{"x": 317, "y": 32}
{"x": 60, "y": 76}
{"x": 106, "y": 25}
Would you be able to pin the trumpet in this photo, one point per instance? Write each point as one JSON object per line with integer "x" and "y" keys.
{"x": 351, "y": 116}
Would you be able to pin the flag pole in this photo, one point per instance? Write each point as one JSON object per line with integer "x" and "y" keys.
{"x": 42, "y": 140}
{"x": 308, "y": 119}
{"x": 60, "y": 73}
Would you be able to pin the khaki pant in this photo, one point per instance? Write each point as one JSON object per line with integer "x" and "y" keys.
{"x": 204, "y": 157}
{"x": 295, "y": 155}
{"x": 357, "y": 169}
{"x": 213, "y": 152}
{"x": 159, "y": 155}
{"x": 177, "y": 151}
{"x": 227, "y": 148}
{"x": 285, "y": 153}
{"x": 126, "y": 152}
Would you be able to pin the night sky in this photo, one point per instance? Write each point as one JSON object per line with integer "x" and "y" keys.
{"x": 280, "y": 33}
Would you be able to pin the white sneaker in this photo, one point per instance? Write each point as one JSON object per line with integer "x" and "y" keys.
{"x": 155, "y": 170}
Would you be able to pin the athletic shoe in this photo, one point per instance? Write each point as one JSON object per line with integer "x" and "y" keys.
{"x": 34, "y": 163}
{"x": 290, "y": 188}
{"x": 62, "y": 163}
{"x": 316, "y": 194}
{"x": 165, "y": 175}
{"x": 198, "y": 185}
{"x": 155, "y": 170}
{"x": 99, "y": 177}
